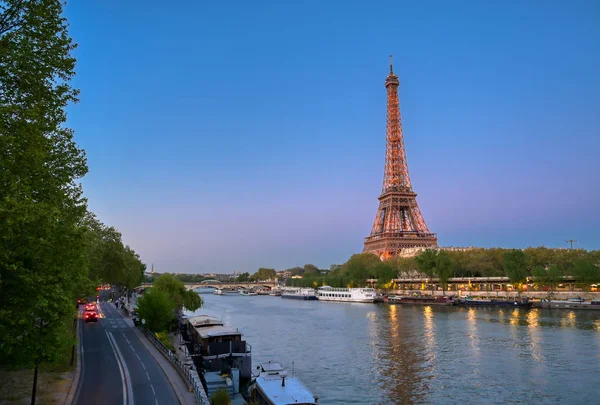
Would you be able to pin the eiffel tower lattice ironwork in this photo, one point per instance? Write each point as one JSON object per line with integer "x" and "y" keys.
{"x": 399, "y": 223}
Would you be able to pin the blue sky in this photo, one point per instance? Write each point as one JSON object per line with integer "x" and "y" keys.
{"x": 237, "y": 135}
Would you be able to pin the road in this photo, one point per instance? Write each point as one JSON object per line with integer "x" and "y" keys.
{"x": 116, "y": 366}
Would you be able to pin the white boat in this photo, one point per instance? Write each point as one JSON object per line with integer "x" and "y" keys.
{"x": 327, "y": 293}
{"x": 274, "y": 386}
{"x": 299, "y": 293}
{"x": 247, "y": 293}
{"x": 220, "y": 291}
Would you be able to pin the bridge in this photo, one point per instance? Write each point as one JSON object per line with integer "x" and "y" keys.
{"x": 218, "y": 284}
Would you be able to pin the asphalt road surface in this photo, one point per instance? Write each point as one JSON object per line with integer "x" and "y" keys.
{"x": 116, "y": 367}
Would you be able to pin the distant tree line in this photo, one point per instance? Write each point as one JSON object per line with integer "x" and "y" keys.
{"x": 542, "y": 265}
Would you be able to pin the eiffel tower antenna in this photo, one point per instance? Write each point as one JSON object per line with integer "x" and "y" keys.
{"x": 399, "y": 223}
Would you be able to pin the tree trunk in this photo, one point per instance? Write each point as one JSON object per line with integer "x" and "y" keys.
{"x": 35, "y": 374}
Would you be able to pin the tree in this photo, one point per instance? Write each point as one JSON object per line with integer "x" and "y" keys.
{"x": 515, "y": 267}
{"x": 264, "y": 274}
{"x": 443, "y": 269}
{"x": 243, "y": 278}
{"x": 177, "y": 292}
{"x": 157, "y": 309}
{"x": 42, "y": 261}
{"x": 584, "y": 273}
{"x": 310, "y": 268}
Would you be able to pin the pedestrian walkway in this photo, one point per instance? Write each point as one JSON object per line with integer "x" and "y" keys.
{"x": 181, "y": 388}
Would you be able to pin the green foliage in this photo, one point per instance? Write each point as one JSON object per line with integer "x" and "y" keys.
{"x": 585, "y": 273}
{"x": 164, "y": 338}
{"x": 220, "y": 397}
{"x": 110, "y": 260}
{"x": 42, "y": 245}
{"x": 191, "y": 300}
{"x": 156, "y": 307}
{"x": 177, "y": 292}
{"x": 264, "y": 274}
{"x": 515, "y": 266}
{"x": 243, "y": 278}
{"x": 443, "y": 269}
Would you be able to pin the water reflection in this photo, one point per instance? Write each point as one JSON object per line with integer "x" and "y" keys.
{"x": 400, "y": 373}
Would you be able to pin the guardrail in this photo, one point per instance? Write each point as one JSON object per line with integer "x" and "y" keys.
{"x": 191, "y": 376}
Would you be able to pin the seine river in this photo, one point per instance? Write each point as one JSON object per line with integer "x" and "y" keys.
{"x": 392, "y": 354}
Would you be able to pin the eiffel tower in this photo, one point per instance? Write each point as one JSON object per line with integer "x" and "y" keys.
{"x": 399, "y": 223}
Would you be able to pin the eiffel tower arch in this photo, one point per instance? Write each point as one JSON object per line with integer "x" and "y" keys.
{"x": 399, "y": 223}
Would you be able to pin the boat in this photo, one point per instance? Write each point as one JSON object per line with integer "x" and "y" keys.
{"x": 299, "y": 293}
{"x": 516, "y": 303}
{"x": 593, "y": 304}
{"x": 274, "y": 386}
{"x": 225, "y": 291}
{"x": 275, "y": 293}
{"x": 327, "y": 293}
{"x": 220, "y": 354}
{"x": 247, "y": 293}
{"x": 421, "y": 300}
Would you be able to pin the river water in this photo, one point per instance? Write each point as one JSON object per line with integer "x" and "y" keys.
{"x": 348, "y": 353}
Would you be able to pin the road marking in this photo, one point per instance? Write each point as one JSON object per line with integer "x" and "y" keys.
{"x": 125, "y": 377}
{"x": 156, "y": 401}
{"x": 152, "y": 386}
{"x": 143, "y": 364}
{"x": 147, "y": 376}
{"x": 136, "y": 355}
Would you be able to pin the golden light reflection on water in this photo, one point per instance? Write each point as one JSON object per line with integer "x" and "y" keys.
{"x": 514, "y": 317}
{"x": 597, "y": 325}
{"x": 569, "y": 321}
{"x": 429, "y": 332}
{"x": 533, "y": 323}
{"x": 400, "y": 354}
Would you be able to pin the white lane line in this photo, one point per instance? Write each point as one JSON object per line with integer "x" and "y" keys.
{"x": 136, "y": 355}
{"x": 147, "y": 376}
{"x": 143, "y": 364}
{"x": 120, "y": 369}
{"x": 154, "y": 392}
{"x": 156, "y": 401}
{"x": 125, "y": 377}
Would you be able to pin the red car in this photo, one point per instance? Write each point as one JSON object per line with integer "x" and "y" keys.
{"x": 91, "y": 317}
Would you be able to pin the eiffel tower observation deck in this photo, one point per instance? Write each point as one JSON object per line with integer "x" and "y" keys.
{"x": 399, "y": 223}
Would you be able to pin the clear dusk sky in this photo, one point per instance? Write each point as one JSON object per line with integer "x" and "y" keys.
{"x": 232, "y": 135}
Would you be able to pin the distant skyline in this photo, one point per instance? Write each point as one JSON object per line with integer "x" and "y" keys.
{"x": 236, "y": 135}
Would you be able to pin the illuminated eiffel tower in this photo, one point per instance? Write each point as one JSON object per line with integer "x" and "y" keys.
{"x": 399, "y": 223}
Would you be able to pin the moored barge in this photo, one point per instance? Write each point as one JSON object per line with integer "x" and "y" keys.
{"x": 398, "y": 299}
{"x": 517, "y": 303}
{"x": 274, "y": 386}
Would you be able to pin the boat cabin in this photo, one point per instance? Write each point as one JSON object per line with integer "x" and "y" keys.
{"x": 274, "y": 386}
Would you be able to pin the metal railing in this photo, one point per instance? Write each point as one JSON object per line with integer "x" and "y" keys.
{"x": 191, "y": 376}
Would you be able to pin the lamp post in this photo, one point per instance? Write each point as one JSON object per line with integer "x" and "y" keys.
{"x": 571, "y": 241}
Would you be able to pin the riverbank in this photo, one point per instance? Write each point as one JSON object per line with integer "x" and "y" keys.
{"x": 538, "y": 295}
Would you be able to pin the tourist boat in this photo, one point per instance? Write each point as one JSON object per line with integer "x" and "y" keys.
{"x": 274, "y": 386}
{"x": 327, "y": 293}
{"x": 421, "y": 300}
{"x": 517, "y": 303}
{"x": 299, "y": 293}
{"x": 226, "y": 291}
{"x": 222, "y": 357}
{"x": 275, "y": 293}
{"x": 247, "y": 293}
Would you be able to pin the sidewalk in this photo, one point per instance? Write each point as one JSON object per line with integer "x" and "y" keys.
{"x": 185, "y": 396}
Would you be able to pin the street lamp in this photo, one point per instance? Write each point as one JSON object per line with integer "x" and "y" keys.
{"x": 571, "y": 241}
